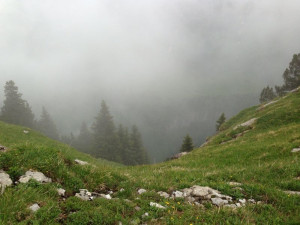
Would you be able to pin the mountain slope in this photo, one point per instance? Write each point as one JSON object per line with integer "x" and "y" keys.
{"x": 257, "y": 156}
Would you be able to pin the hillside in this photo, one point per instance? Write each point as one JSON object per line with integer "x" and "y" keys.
{"x": 256, "y": 159}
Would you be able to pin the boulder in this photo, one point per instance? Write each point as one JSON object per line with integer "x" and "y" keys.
{"x": 242, "y": 201}
{"x": 153, "y": 204}
{"x": 141, "y": 191}
{"x": 296, "y": 150}
{"x": 85, "y": 195}
{"x": 38, "y": 176}
{"x": 246, "y": 124}
{"x": 5, "y": 181}
{"x": 2, "y": 148}
{"x": 35, "y": 207}
{"x": 163, "y": 194}
{"x": 25, "y": 131}
{"x": 219, "y": 201}
{"x": 177, "y": 194}
{"x": 80, "y": 162}
{"x": 61, "y": 192}
{"x": 106, "y": 196}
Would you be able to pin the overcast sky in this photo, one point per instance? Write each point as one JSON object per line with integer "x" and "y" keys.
{"x": 69, "y": 55}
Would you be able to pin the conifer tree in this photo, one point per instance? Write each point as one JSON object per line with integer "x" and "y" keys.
{"x": 123, "y": 144}
{"x": 47, "y": 126}
{"x": 105, "y": 144}
{"x": 267, "y": 94}
{"x": 220, "y": 121}
{"x": 84, "y": 139}
{"x": 138, "y": 154}
{"x": 187, "y": 144}
{"x": 16, "y": 110}
{"x": 291, "y": 75}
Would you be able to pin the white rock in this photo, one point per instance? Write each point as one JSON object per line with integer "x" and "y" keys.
{"x": 106, "y": 196}
{"x": 296, "y": 150}
{"x": 35, "y": 207}
{"x": 177, "y": 194}
{"x": 61, "y": 192}
{"x": 163, "y": 194}
{"x": 137, "y": 208}
{"x": 145, "y": 215}
{"x": 230, "y": 206}
{"x": 219, "y": 201}
{"x": 5, "y": 181}
{"x": 80, "y": 162}
{"x": 2, "y": 148}
{"x": 190, "y": 199}
{"x": 292, "y": 192}
{"x": 179, "y": 155}
{"x": 153, "y": 204}
{"x": 246, "y": 124}
{"x": 242, "y": 201}
{"x": 141, "y": 191}
{"x": 84, "y": 194}
{"x": 270, "y": 103}
{"x": 122, "y": 189}
{"x": 25, "y": 131}
{"x": 187, "y": 192}
{"x": 252, "y": 201}
{"x": 199, "y": 191}
{"x": 234, "y": 184}
{"x": 38, "y": 176}
{"x": 238, "y": 204}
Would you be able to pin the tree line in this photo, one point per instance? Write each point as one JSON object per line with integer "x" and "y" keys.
{"x": 102, "y": 140}
{"x": 291, "y": 80}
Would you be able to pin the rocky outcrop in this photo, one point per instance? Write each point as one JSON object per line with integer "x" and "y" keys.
{"x": 5, "y": 181}
{"x": 156, "y": 205}
{"x": 80, "y": 162}
{"x": 84, "y": 195}
{"x": 35, "y": 207}
{"x": 61, "y": 192}
{"x": 292, "y": 192}
{"x": 38, "y": 176}
{"x": 141, "y": 191}
{"x": 296, "y": 150}
{"x": 2, "y": 148}
{"x": 179, "y": 155}
{"x": 246, "y": 124}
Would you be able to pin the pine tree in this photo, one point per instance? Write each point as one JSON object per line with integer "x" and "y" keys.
{"x": 47, "y": 126}
{"x": 105, "y": 143}
{"x": 187, "y": 144}
{"x": 267, "y": 94}
{"x": 16, "y": 110}
{"x": 138, "y": 153}
{"x": 291, "y": 75}
{"x": 84, "y": 139}
{"x": 220, "y": 121}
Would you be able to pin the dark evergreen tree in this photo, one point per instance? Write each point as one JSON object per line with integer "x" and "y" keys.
{"x": 220, "y": 121}
{"x": 138, "y": 154}
{"x": 16, "y": 110}
{"x": 105, "y": 141}
{"x": 84, "y": 139}
{"x": 291, "y": 75}
{"x": 47, "y": 126}
{"x": 123, "y": 144}
{"x": 187, "y": 144}
{"x": 267, "y": 94}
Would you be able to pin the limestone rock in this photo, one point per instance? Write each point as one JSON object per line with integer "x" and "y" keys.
{"x": 145, "y": 215}
{"x": 234, "y": 184}
{"x": 292, "y": 192}
{"x": 122, "y": 190}
{"x": 137, "y": 208}
{"x": 219, "y": 201}
{"x": 38, "y": 176}
{"x": 242, "y": 201}
{"x": 296, "y": 150}
{"x": 141, "y": 191}
{"x": 35, "y": 207}
{"x": 61, "y": 192}
{"x": 25, "y": 131}
{"x": 179, "y": 155}
{"x": 163, "y": 194}
{"x": 177, "y": 194}
{"x": 2, "y": 148}
{"x": 84, "y": 194}
{"x": 106, "y": 196}
{"x": 246, "y": 124}
{"x": 5, "y": 181}
{"x": 80, "y": 162}
{"x": 153, "y": 204}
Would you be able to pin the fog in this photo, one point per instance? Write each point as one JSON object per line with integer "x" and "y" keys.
{"x": 169, "y": 66}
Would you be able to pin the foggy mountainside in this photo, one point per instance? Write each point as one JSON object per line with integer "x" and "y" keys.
{"x": 169, "y": 67}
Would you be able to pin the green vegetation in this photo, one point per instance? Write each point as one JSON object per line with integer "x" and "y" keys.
{"x": 220, "y": 121}
{"x": 260, "y": 159}
{"x": 187, "y": 144}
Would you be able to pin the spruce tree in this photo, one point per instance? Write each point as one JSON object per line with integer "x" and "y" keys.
{"x": 187, "y": 144}
{"x": 123, "y": 144}
{"x": 16, "y": 110}
{"x": 220, "y": 121}
{"x": 291, "y": 75}
{"x": 267, "y": 94}
{"x": 138, "y": 154}
{"x": 84, "y": 139}
{"x": 47, "y": 126}
{"x": 105, "y": 144}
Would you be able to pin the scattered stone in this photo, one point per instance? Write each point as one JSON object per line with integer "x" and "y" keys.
{"x": 292, "y": 192}
{"x": 35, "y": 207}
{"x": 219, "y": 201}
{"x": 252, "y": 201}
{"x": 141, "y": 191}
{"x": 177, "y": 194}
{"x": 234, "y": 184}
{"x": 295, "y": 90}
{"x": 110, "y": 192}
{"x": 231, "y": 206}
{"x": 106, "y": 196}
{"x": 259, "y": 202}
{"x": 190, "y": 199}
{"x": 296, "y": 150}
{"x": 246, "y": 124}
{"x": 80, "y": 162}
{"x": 25, "y": 131}
{"x": 238, "y": 188}
{"x": 163, "y": 194}
{"x": 145, "y": 215}
{"x": 137, "y": 208}
{"x": 38, "y": 176}
{"x": 242, "y": 201}
{"x": 84, "y": 194}
{"x": 5, "y": 181}
{"x": 2, "y": 148}
{"x": 61, "y": 192}
{"x": 153, "y": 204}
{"x": 238, "y": 204}
{"x": 179, "y": 155}
{"x": 122, "y": 189}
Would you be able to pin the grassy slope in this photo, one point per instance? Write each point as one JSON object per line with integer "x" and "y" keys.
{"x": 261, "y": 160}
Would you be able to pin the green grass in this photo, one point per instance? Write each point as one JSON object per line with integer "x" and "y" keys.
{"x": 261, "y": 160}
